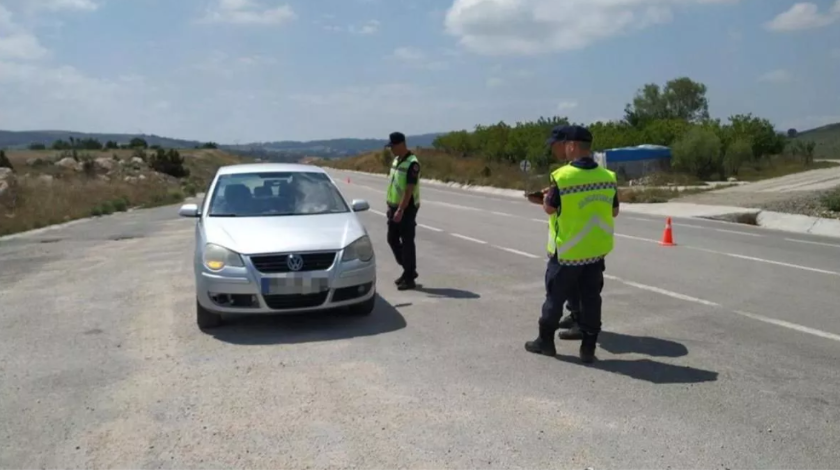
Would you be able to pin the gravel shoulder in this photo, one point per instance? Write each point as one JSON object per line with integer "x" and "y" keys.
{"x": 793, "y": 194}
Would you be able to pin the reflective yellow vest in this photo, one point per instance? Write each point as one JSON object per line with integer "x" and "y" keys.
{"x": 398, "y": 180}
{"x": 583, "y": 231}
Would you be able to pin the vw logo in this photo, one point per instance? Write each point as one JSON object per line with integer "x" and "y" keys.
{"x": 294, "y": 262}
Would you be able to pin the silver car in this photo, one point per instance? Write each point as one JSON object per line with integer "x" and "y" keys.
{"x": 279, "y": 238}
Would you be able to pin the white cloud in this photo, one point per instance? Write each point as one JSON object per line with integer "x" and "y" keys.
{"x": 566, "y": 105}
{"x": 803, "y": 16}
{"x": 776, "y": 76}
{"x": 530, "y": 27}
{"x": 248, "y": 12}
{"x": 16, "y": 42}
{"x": 416, "y": 58}
{"x": 370, "y": 27}
{"x": 53, "y": 5}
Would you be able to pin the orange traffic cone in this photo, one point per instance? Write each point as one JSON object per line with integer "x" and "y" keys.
{"x": 668, "y": 234}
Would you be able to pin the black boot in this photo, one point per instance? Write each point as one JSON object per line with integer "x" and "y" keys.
{"x": 568, "y": 321}
{"x": 544, "y": 344}
{"x": 400, "y": 279}
{"x": 587, "y": 348}
{"x": 572, "y": 333}
{"x": 406, "y": 284}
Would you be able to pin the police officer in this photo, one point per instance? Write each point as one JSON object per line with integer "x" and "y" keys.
{"x": 582, "y": 201}
{"x": 403, "y": 199}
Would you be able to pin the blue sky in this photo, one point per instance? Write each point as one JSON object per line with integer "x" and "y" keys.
{"x": 259, "y": 70}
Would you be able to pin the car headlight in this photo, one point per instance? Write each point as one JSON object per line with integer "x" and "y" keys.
{"x": 360, "y": 249}
{"x": 218, "y": 257}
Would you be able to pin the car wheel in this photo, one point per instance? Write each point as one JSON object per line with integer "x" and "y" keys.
{"x": 365, "y": 308}
{"x": 205, "y": 318}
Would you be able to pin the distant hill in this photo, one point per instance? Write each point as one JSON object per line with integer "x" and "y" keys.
{"x": 279, "y": 151}
{"x": 22, "y": 139}
{"x": 827, "y": 139}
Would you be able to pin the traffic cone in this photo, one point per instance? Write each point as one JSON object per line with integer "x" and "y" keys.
{"x": 668, "y": 234}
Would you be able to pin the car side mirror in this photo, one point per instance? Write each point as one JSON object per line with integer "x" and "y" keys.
{"x": 188, "y": 210}
{"x": 360, "y": 205}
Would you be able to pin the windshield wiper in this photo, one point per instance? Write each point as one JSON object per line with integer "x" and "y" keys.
{"x": 223, "y": 215}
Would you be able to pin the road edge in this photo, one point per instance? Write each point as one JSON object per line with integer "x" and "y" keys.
{"x": 791, "y": 223}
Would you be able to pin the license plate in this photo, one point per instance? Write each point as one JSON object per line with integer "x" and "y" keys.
{"x": 293, "y": 285}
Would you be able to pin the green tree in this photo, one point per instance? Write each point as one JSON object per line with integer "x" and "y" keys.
{"x": 37, "y": 146}
{"x": 792, "y": 133}
{"x": 61, "y": 145}
{"x": 209, "y": 145}
{"x": 698, "y": 153}
{"x": 111, "y": 145}
{"x": 737, "y": 154}
{"x": 137, "y": 142}
{"x": 680, "y": 98}
{"x": 766, "y": 141}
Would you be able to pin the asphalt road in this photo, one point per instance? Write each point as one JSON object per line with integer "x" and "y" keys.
{"x": 720, "y": 352}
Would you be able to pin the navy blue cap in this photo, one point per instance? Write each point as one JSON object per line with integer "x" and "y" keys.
{"x": 569, "y": 134}
{"x": 395, "y": 138}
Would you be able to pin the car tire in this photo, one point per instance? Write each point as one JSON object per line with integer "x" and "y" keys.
{"x": 365, "y": 308}
{"x": 205, "y": 318}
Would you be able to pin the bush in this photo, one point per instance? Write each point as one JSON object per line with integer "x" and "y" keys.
{"x": 4, "y": 161}
{"x": 169, "y": 162}
{"x": 698, "y": 153}
{"x": 831, "y": 200}
{"x": 739, "y": 153}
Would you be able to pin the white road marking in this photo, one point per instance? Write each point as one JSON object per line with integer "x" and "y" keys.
{"x": 631, "y": 237}
{"x": 665, "y": 292}
{"x": 378, "y": 213}
{"x": 738, "y": 232}
{"x": 762, "y": 260}
{"x": 502, "y": 213}
{"x": 542, "y": 221}
{"x": 791, "y": 326}
{"x": 429, "y": 227}
{"x": 811, "y": 243}
{"x": 517, "y": 252}
{"x": 464, "y": 237}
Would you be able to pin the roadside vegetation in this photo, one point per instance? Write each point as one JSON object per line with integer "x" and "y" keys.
{"x": 743, "y": 147}
{"x": 81, "y": 178}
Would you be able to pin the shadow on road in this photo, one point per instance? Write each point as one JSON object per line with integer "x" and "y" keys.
{"x": 308, "y": 327}
{"x": 649, "y": 371}
{"x": 447, "y": 293}
{"x": 617, "y": 343}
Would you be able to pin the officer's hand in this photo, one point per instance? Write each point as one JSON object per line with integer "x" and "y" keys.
{"x": 398, "y": 215}
{"x": 534, "y": 199}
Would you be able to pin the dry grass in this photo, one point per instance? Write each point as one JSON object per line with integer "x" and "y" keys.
{"x": 779, "y": 166}
{"x": 440, "y": 166}
{"x": 33, "y": 202}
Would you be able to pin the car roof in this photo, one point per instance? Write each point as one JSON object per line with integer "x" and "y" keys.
{"x": 268, "y": 167}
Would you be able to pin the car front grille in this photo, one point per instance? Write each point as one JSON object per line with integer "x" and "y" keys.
{"x": 270, "y": 264}
{"x": 286, "y": 302}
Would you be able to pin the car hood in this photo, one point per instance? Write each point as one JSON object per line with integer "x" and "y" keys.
{"x": 253, "y": 235}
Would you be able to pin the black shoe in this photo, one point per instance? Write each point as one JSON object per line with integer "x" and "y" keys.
{"x": 400, "y": 279}
{"x": 406, "y": 285}
{"x": 544, "y": 344}
{"x": 571, "y": 334}
{"x": 568, "y": 322}
{"x": 587, "y": 348}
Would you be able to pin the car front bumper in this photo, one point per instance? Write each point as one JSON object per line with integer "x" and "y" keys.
{"x": 239, "y": 290}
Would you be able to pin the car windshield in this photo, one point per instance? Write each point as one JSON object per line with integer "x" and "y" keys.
{"x": 266, "y": 194}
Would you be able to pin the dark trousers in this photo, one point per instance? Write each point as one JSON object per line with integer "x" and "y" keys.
{"x": 561, "y": 283}
{"x": 573, "y": 302}
{"x": 401, "y": 239}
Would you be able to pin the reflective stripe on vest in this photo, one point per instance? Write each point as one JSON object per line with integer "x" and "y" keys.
{"x": 398, "y": 180}
{"x": 583, "y": 231}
